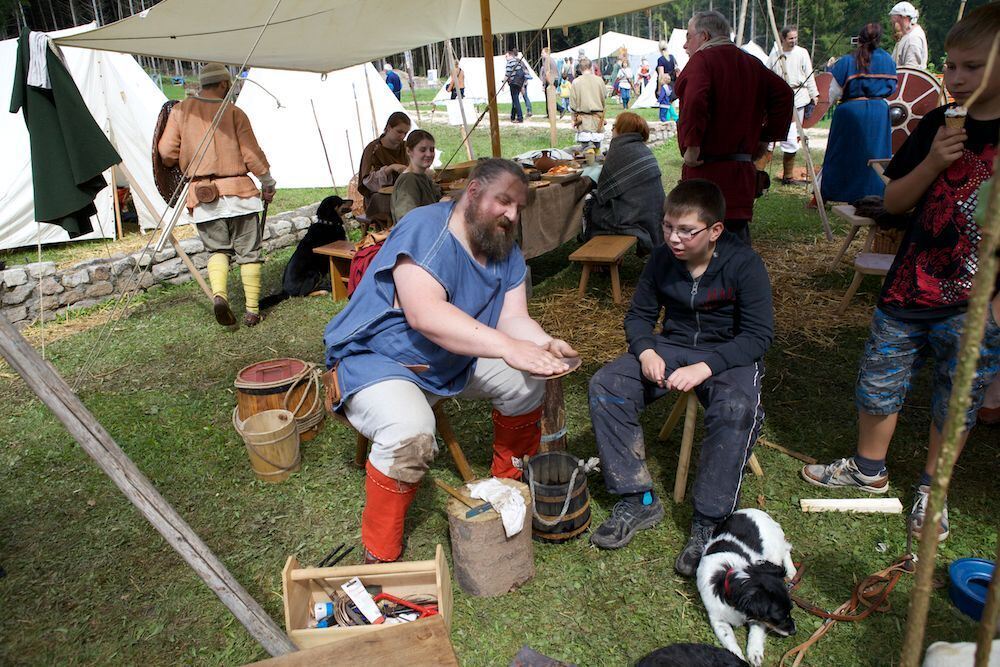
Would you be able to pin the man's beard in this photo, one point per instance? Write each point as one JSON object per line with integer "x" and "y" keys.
{"x": 487, "y": 236}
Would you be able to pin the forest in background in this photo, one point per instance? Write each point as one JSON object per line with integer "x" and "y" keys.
{"x": 825, "y": 26}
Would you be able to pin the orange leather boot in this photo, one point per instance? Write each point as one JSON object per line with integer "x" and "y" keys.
{"x": 385, "y": 511}
{"x": 514, "y": 436}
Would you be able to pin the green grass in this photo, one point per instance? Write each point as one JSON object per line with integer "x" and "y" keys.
{"x": 90, "y": 582}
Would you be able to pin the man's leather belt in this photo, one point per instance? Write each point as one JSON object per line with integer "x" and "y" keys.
{"x": 732, "y": 157}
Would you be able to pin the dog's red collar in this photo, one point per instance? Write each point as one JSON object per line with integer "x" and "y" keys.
{"x": 725, "y": 581}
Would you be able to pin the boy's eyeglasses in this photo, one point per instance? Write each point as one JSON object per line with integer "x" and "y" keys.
{"x": 682, "y": 234}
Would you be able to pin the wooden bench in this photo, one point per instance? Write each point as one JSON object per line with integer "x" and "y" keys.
{"x": 340, "y": 253}
{"x": 603, "y": 251}
{"x": 865, "y": 264}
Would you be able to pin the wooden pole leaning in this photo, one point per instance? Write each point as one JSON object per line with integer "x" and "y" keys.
{"x": 322, "y": 142}
{"x": 116, "y": 205}
{"x": 491, "y": 81}
{"x": 743, "y": 23}
{"x": 461, "y": 105}
{"x": 550, "y": 92}
{"x": 958, "y": 404}
{"x": 192, "y": 269}
{"x": 820, "y": 206}
{"x": 988, "y": 622}
{"x": 53, "y": 391}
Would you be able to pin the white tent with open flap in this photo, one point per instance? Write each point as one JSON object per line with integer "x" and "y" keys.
{"x": 124, "y": 101}
{"x": 609, "y": 44}
{"x": 756, "y": 51}
{"x": 475, "y": 82}
{"x": 281, "y": 106}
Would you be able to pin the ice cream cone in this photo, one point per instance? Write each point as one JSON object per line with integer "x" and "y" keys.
{"x": 954, "y": 122}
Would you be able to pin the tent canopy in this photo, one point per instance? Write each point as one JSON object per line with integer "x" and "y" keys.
{"x": 754, "y": 49}
{"x": 280, "y": 106}
{"x": 323, "y": 35}
{"x": 123, "y": 100}
{"x": 475, "y": 81}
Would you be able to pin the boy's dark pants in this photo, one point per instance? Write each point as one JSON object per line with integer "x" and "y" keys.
{"x": 733, "y": 417}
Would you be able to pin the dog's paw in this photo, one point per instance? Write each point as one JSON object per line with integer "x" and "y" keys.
{"x": 755, "y": 655}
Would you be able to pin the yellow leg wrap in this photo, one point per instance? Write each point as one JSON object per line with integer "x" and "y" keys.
{"x": 250, "y": 273}
{"x": 218, "y": 272}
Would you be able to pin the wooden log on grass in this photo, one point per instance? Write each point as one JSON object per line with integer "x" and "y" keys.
{"x": 50, "y": 387}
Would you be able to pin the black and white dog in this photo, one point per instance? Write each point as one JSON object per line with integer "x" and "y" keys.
{"x": 741, "y": 581}
{"x": 307, "y": 272}
{"x": 690, "y": 655}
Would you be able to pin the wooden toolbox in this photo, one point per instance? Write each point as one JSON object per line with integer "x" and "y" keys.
{"x": 301, "y": 589}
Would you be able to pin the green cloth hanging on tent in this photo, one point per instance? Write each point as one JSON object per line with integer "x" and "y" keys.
{"x": 69, "y": 151}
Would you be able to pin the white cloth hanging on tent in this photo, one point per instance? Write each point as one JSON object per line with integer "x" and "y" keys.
{"x": 125, "y": 103}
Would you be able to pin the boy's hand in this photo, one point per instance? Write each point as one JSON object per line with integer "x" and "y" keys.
{"x": 653, "y": 366}
{"x": 687, "y": 378}
{"x": 947, "y": 147}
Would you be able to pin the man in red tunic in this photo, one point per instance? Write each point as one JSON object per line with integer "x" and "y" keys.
{"x": 732, "y": 106}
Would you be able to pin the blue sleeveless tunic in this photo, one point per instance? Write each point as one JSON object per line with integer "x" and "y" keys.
{"x": 370, "y": 339}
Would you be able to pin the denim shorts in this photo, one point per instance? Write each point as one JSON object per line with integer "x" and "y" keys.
{"x": 896, "y": 349}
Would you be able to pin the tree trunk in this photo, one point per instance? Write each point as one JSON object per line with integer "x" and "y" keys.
{"x": 72, "y": 12}
{"x": 52, "y": 12}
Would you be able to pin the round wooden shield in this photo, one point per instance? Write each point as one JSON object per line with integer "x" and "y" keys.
{"x": 917, "y": 93}
{"x": 823, "y": 80}
{"x": 167, "y": 179}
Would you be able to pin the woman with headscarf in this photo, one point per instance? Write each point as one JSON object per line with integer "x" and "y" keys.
{"x": 629, "y": 198}
{"x": 381, "y": 162}
{"x": 861, "y": 130}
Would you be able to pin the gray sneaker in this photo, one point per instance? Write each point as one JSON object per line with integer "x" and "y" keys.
{"x": 844, "y": 473}
{"x": 687, "y": 561}
{"x": 918, "y": 513}
{"x": 626, "y": 520}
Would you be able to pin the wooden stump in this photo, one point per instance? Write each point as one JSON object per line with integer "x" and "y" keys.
{"x": 486, "y": 561}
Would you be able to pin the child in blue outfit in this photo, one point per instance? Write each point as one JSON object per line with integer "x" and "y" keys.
{"x": 665, "y": 98}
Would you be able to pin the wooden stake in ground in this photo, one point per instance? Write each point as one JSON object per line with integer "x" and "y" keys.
{"x": 988, "y": 622}
{"x": 461, "y": 103}
{"x": 958, "y": 405}
{"x": 95, "y": 440}
{"x": 491, "y": 81}
{"x": 553, "y": 418}
{"x": 820, "y": 206}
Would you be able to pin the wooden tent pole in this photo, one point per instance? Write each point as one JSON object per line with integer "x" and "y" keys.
{"x": 116, "y": 205}
{"x": 743, "y": 23}
{"x": 371, "y": 102}
{"x": 961, "y": 11}
{"x": 322, "y": 143}
{"x": 491, "y": 80}
{"x": 53, "y": 391}
{"x": 820, "y": 205}
{"x": 600, "y": 36}
{"x": 550, "y": 92}
{"x": 350, "y": 153}
{"x": 409, "y": 74}
{"x": 461, "y": 104}
{"x": 958, "y": 404}
{"x": 357, "y": 111}
{"x": 988, "y": 623}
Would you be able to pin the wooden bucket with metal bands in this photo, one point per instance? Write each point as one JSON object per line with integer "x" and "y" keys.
{"x": 282, "y": 384}
{"x": 560, "y": 504}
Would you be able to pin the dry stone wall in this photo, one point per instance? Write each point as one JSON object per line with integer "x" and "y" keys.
{"x": 29, "y": 289}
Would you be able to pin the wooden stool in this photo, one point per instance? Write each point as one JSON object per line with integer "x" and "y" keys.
{"x": 857, "y": 222}
{"x": 603, "y": 251}
{"x": 340, "y": 253}
{"x": 687, "y": 405}
{"x": 443, "y": 427}
{"x": 865, "y": 264}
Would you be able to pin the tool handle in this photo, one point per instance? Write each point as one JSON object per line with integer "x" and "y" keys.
{"x": 454, "y": 492}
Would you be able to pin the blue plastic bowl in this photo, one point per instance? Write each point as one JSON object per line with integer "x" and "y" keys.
{"x": 970, "y": 577}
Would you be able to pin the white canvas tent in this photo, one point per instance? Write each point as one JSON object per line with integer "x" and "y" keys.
{"x": 324, "y": 35}
{"x": 610, "y": 42}
{"x": 754, "y": 49}
{"x": 280, "y": 106}
{"x": 125, "y": 103}
{"x": 475, "y": 82}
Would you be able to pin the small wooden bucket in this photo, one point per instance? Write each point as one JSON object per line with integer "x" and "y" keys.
{"x": 282, "y": 384}
{"x": 272, "y": 441}
{"x": 560, "y": 498}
